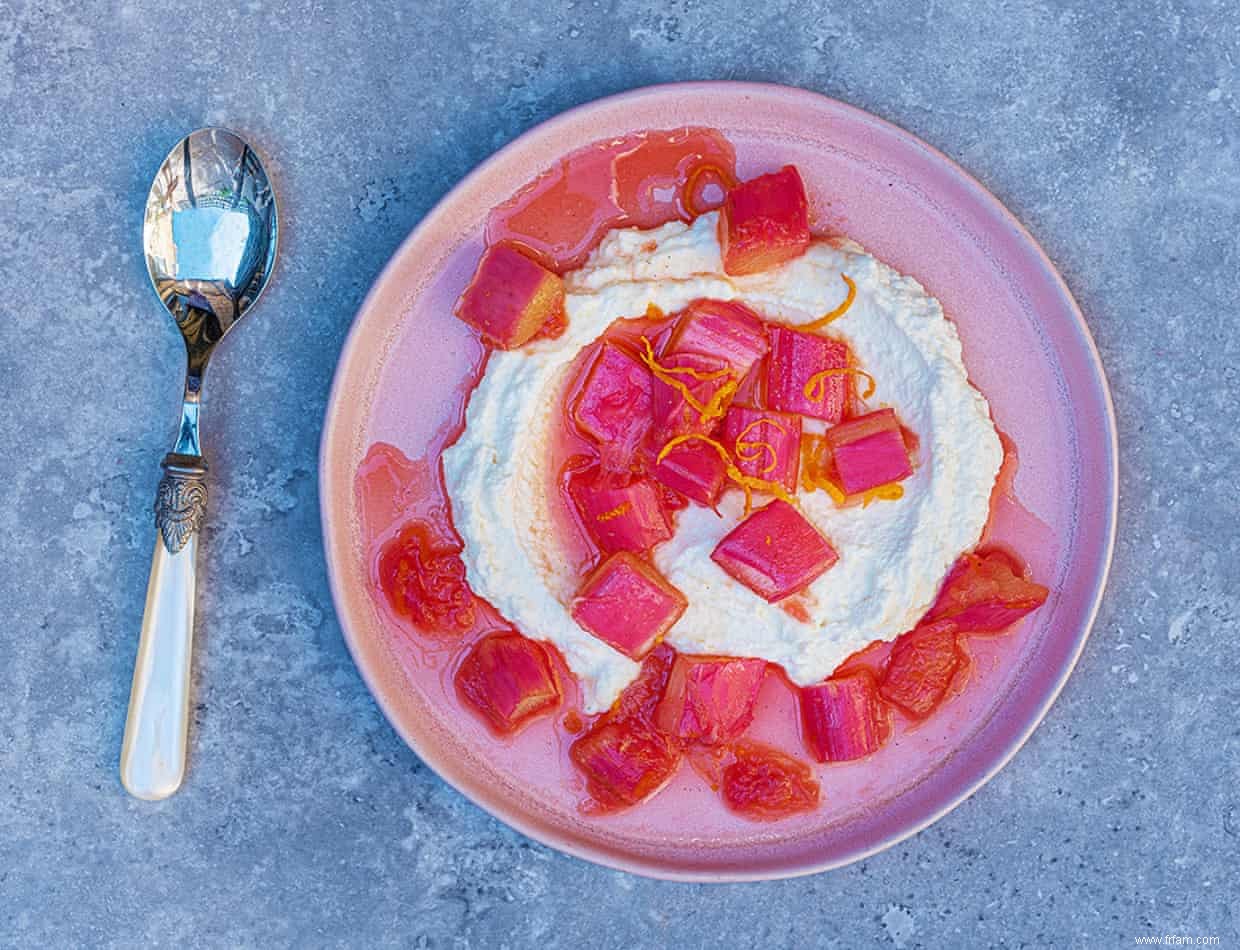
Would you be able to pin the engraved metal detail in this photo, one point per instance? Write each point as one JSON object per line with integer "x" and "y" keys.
{"x": 181, "y": 502}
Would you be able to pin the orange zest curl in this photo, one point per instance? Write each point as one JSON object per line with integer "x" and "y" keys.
{"x": 811, "y": 482}
{"x": 681, "y": 370}
{"x": 816, "y": 385}
{"x": 752, "y": 451}
{"x": 748, "y": 483}
{"x": 812, "y": 477}
{"x": 838, "y": 311}
{"x": 718, "y": 404}
{"x": 706, "y": 411}
{"x": 616, "y": 512}
{"x": 892, "y": 491}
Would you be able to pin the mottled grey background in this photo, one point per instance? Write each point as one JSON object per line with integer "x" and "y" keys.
{"x": 1112, "y": 129}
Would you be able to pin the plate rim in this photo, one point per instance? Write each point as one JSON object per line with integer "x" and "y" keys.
{"x": 632, "y": 862}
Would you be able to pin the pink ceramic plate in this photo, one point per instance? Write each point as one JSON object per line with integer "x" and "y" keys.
{"x": 1026, "y": 346}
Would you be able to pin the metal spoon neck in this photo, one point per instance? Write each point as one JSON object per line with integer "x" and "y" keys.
{"x": 188, "y": 442}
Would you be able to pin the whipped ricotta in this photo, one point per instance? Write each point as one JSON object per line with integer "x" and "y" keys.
{"x": 893, "y": 554}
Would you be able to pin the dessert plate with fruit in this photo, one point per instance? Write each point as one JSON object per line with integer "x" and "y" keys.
{"x": 718, "y": 484}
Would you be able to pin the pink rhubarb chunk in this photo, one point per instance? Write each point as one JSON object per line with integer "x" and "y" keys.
{"x": 628, "y": 517}
{"x": 727, "y": 331}
{"x": 841, "y": 717}
{"x": 615, "y": 401}
{"x": 510, "y": 297}
{"x": 710, "y": 699}
{"x": 752, "y": 389}
{"x": 627, "y": 604}
{"x": 624, "y": 761}
{"x": 764, "y": 222}
{"x": 695, "y": 470}
{"x": 985, "y": 593}
{"x": 764, "y": 444}
{"x": 765, "y": 784}
{"x": 921, "y": 668}
{"x": 869, "y": 451}
{"x": 775, "y": 552}
{"x": 795, "y": 358}
{"x": 509, "y": 680}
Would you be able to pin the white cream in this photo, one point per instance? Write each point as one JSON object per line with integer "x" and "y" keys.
{"x": 893, "y": 554}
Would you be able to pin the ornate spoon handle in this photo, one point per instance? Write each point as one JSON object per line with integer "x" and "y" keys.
{"x": 153, "y": 754}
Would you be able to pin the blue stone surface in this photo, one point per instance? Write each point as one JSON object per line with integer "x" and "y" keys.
{"x": 1111, "y": 129}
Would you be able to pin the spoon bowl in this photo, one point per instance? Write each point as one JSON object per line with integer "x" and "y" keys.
{"x": 210, "y": 235}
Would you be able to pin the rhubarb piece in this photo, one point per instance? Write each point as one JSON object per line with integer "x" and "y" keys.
{"x": 710, "y": 699}
{"x": 921, "y": 667}
{"x": 695, "y": 470}
{"x": 748, "y": 483}
{"x": 841, "y": 718}
{"x": 615, "y": 402}
{"x": 794, "y": 375}
{"x": 869, "y": 451}
{"x": 641, "y": 697}
{"x": 624, "y": 761}
{"x": 621, "y": 517}
{"x": 672, "y": 500}
{"x": 775, "y": 552}
{"x": 424, "y": 580}
{"x": 386, "y": 485}
{"x": 984, "y": 593}
{"x": 554, "y": 328}
{"x": 764, "y": 444}
{"x": 627, "y": 604}
{"x": 691, "y": 393}
{"x": 509, "y": 680}
{"x": 727, "y": 331}
{"x": 764, "y": 222}
{"x": 510, "y": 297}
{"x": 752, "y": 389}
{"x": 766, "y": 784}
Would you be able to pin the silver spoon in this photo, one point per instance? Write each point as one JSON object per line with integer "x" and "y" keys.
{"x": 209, "y": 235}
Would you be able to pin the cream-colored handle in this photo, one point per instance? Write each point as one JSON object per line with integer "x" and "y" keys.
{"x": 153, "y": 754}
